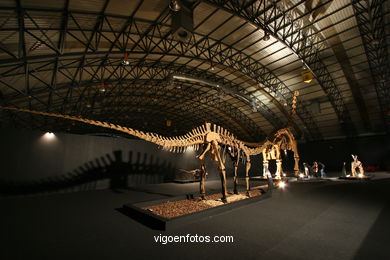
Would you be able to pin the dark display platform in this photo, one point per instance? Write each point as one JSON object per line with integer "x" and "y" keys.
{"x": 364, "y": 178}
{"x": 136, "y": 211}
{"x": 312, "y": 179}
{"x": 185, "y": 181}
{"x": 262, "y": 178}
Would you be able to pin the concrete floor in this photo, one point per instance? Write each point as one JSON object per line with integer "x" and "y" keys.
{"x": 327, "y": 220}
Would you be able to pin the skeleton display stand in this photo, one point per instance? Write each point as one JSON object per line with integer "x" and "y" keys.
{"x": 138, "y": 212}
{"x": 357, "y": 170}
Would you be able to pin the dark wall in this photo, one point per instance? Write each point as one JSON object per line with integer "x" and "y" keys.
{"x": 67, "y": 159}
{"x": 30, "y": 156}
{"x": 370, "y": 150}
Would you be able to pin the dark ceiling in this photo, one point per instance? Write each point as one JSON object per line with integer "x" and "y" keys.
{"x": 129, "y": 62}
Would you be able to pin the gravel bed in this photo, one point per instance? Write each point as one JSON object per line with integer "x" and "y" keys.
{"x": 172, "y": 209}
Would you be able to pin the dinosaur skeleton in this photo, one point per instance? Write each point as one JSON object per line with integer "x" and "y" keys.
{"x": 212, "y": 139}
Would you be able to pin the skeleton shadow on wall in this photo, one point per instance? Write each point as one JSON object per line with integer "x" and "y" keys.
{"x": 107, "y": 172}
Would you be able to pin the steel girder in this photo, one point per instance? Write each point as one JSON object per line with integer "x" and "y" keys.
{"x": 370, "y": 18}
{"x": 135, "y": 70}
{"x": 158, "y": 74}
{"x": 281, "y": 24}
{"x": 149, "y": 97}
{"x": 156, "y": 39}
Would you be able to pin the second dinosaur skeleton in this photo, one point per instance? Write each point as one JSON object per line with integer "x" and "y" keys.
{"x": 212, "y": 139}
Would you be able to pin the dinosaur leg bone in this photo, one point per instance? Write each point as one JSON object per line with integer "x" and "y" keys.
{"x": 202, "y": 177}
{"x": 279, "y": 170}
{"x": 203, "y": 153}
{"x": 202, "y": 180}
{"x": 296, "y": 164}
{"x": 222, "y": 170}
{"x": 237, "y": 160}
{"x": 247, "y": 168}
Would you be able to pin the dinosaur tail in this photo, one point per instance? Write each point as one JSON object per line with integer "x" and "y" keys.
{"x": 130, "y": 131}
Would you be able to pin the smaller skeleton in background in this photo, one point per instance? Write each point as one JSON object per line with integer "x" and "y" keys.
{"x": 356, "y": 164}
{"x": 314, "y": 169}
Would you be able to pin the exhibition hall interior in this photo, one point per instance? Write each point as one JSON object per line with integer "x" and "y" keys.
{"x": 195, "y": 129}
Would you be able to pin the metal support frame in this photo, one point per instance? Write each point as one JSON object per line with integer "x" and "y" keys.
{"x": 154, "y": 39}
{"x": 274, "y": 20}
{"x": 158, "y": 75}
{"x": 369, "y": 16}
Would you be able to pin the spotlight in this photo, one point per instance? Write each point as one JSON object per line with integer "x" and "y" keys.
{"x": 48, "y": 136}
{"x": 266, "y": 36}
{"x": 282, "y": 184}
{"x": 301, "y": 175}
{"x": 174, "y": 5}
{"x": 102, "y": 88}
{"x": 212, "y": 66}
{"x": 307, "y": 77}
{"x": 360, "y": 175}
{"x": 125, "y": 60}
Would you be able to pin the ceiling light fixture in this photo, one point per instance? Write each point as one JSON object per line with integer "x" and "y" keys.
{"x": 212, "y": 66}
{"x": 266, "y": 36}
{"x": 174, "y": 5}
{"x": 125, "y": 60}
{"x": 102, "y": 88}
{"x": 307, "y": 76}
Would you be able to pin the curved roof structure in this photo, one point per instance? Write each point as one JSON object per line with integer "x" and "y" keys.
{"x": 141, "y": 63}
